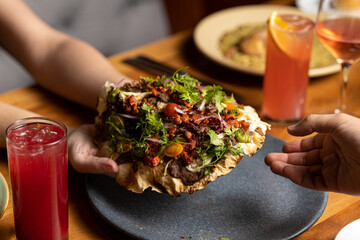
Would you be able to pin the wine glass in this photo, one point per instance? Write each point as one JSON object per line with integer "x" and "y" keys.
{"x": 338, "y": 28}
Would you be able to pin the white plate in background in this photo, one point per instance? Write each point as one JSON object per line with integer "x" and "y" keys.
{"x": 209, "y": 30}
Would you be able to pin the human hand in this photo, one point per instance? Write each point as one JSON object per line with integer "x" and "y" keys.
{"x": 82, "y": 152}
{"x": 326, "y": 161}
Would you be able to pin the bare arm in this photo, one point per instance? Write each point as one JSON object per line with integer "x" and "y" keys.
{"x": 10, "y": 114}
{"x": 64, "y": 65}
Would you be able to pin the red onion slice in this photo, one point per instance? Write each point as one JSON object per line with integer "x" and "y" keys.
{"x": 179, "y": 110}
{"x": 128, "y": 116}
{"x": 203, "y": 118}
{"x": 169, "y": 125}
{"x": 206, "y": 117}
{"x": 152, "y": 139}
{"x": 202, "y": 105}
{"x": 222, "y": 120}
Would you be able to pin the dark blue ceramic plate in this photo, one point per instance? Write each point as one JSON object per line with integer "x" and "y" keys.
{"x": 248, "y": 203}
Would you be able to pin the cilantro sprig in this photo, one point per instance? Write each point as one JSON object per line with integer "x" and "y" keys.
{"x": 184, "y": 87}
{"x": 151, "y": 124}
{"x": 216, "y": 150}
{"x": 119, "y": 142}
{"x": 214, "y": 95}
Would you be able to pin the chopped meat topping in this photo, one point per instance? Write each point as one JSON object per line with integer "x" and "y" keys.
{"x": 187, "y": 158}
{"x": 131, "y": 105}
{"x": 245, "y": 125}
{"x": 155, "y": 92}
{"x": 233, "y": 123}
{"x": 152, "y": 161}
{"x": 188, "y": 135}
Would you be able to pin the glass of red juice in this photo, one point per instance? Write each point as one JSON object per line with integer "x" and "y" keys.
{"x": 38, "y": 165}
{"x": 289, "y": 42}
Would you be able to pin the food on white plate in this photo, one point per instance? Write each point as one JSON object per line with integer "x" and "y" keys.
{"x": 246, "y": 46}
{"x": 172, "y": 134}
{"x": 254, "y": 44}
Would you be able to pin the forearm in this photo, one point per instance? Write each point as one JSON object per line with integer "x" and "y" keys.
{"x": 74, "y": 70}
{"x": 64, "y": 65}
{"x": 9, "y": 115}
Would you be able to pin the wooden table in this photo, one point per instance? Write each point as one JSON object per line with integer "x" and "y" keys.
{"x": 179, "y": 51}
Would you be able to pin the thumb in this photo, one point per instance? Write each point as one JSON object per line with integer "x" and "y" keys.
{"x": 321, "y": 123}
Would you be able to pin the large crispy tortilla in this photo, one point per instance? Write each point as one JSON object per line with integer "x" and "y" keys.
{"x": 137, "y": 176}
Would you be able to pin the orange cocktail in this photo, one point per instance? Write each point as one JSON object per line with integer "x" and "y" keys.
{"x": 287, "y": 65}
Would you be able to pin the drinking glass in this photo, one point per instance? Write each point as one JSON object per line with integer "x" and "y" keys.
{"x": 338, "y": 26}
{"x": 286, "y": 78}
{"x": 37, "y": 156}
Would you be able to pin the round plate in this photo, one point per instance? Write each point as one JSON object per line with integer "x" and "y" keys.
{"x": 350, "y": 231}
{"x": 248, "y": 203}
{"x": 209, "y": 31}
{"x": 4, "y": 195}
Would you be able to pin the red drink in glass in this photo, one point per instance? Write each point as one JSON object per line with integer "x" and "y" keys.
{"x": 287, "y": 66}
{"x": 37, "y": 155}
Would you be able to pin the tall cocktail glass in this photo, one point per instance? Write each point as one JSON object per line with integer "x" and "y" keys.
{"x": 289, "y": 42}
{"x": 37, "y": 156}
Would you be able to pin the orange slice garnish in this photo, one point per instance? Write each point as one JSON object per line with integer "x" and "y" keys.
{"x": 282, "y": 33}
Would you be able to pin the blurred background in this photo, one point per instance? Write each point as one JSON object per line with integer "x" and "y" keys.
{"x": 114, "y": 26}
